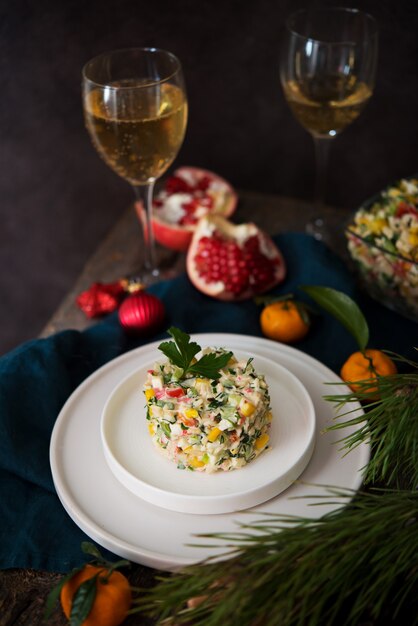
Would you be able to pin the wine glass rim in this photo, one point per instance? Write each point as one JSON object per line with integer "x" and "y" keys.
{"x": 151, "y": 83}
{"x": 372, "y": 20}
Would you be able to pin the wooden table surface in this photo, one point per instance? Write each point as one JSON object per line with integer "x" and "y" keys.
{"x": 23, "y": 592}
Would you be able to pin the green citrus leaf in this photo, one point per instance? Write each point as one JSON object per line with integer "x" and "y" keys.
{"x": 89, "y": 548}
{"x": 83, "y": 601}
{"x": 54, "y": 594}
{"x": 344, "y": 309}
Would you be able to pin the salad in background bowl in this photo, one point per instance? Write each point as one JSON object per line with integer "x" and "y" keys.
{"x": 382, "y": 241}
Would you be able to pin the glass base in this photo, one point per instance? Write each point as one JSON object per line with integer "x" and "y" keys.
{"x": 170, "y": 265}
{"x": 150, "y": 276}
{"x": 316, "y": 227}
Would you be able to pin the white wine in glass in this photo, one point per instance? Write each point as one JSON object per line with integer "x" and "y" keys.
{"x": 135, "y": 109}
{"x": 327, "y": 71}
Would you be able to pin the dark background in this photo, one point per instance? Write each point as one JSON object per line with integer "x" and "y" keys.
{"x": 57, "y": 198}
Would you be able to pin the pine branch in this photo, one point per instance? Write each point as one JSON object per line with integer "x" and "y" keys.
{"x": 391, "y": 426}
{"x": 361, "y": 560}
{"x": 356, "y": 563}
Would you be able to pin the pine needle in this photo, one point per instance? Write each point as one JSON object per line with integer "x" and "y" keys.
{"x": 355, "y": 564}
{"x": 391, "y": 426}
{"x": 358, "y": 562}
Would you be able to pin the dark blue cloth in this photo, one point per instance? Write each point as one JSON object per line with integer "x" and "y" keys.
{"x": 38, "y": 377}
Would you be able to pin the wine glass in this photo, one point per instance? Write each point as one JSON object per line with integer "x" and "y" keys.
{"x": 135, "y": 110}
{"x": 327, "y": 71}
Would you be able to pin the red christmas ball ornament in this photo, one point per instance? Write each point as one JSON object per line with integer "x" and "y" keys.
{"x": 141, "y": 313}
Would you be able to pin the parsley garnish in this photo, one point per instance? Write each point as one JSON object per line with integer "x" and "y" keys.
{"x": 181, "y": 352}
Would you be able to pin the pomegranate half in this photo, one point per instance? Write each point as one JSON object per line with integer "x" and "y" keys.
{"x": 233, "y": 262}
{"x": 189, "y": 194}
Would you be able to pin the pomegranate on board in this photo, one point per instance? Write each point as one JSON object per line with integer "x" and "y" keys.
{"x": 233, "y": 262}
{"x": 188, "y": 195}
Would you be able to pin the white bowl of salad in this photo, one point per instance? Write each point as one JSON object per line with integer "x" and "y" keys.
{"x": 383, "y": 244}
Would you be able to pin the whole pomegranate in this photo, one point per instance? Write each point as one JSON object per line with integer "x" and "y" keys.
{"x": 233, "y": 262}
{"x": 189, "y": 194}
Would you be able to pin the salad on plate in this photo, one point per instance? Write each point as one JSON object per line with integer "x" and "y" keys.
{"x": 208, "y": 413}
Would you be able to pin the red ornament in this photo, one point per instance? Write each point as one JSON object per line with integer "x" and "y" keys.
{"x": 141, "y": 313}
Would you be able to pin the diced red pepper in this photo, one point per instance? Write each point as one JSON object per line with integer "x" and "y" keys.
{"x": 188, "y": 421}
{"x": 174, "y": 392}
{"x": 405, "y": 209}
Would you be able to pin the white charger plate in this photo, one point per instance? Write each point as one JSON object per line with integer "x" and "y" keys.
{"x": 144, "y": 533}
{"x": 142, "y": 468}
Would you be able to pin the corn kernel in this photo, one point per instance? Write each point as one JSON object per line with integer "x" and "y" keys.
{"x": 202, "y": 381}
{"x": 394, "y": 192}
{"x": 214, "y": 434}
{"x": 151, "y": 429}
{"x": 377, "y": 225}
{"x": 191, "y": 413}
{"x": 246, "y": 408}
{"x": 149, "y": 393}
{"x": 188, "y": 449}
{"x": 413, "y": 239}
{"x": 195, "y": 462}
{"x": 262, "y": 441}
{"x": 269, "y": 416}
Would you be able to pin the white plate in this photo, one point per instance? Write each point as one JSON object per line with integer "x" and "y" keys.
{"x": 131, "y": 527}
{"x": 142, "y": 469}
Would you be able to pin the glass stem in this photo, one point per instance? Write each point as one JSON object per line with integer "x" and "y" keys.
{"x": 144, "y": 195}
{"x": 322, "y": 146}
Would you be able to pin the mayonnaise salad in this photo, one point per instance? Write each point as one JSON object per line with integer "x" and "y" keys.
{"x": 205, "y": 424}
{"x": 383, "y": 242}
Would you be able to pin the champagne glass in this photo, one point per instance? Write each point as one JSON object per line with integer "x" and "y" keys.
{"x": 327, "y": 71}
{"x": 135, "y": 110}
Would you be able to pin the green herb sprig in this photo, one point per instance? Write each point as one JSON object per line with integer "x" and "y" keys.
{"x": 181, "y": 352}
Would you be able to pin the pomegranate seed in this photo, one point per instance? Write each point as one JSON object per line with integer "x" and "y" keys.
{"x": 203, "y": 183}
{"x": 175, "y": 184}
{"x": 222, "y": 259}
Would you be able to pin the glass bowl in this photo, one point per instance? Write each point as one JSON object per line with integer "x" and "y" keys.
{"x": 382, "y": 240}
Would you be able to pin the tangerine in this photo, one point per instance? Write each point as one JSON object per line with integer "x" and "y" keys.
{"x": 113, "y": 596}
{"x": 283, "y": 321}
{"x": 367, "y": 365}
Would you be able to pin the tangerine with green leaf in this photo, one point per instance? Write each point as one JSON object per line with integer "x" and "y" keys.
{"x": 284, "y": 320}
{"x": 367, "y": 366}
{"x": 112, "y": 598}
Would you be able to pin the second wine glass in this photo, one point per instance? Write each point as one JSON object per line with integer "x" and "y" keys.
{"x": 135, "y": 109}
{"x": 327, "y": 71}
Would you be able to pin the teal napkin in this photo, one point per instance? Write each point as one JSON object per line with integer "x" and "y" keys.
{"x": 38, "y": 377}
